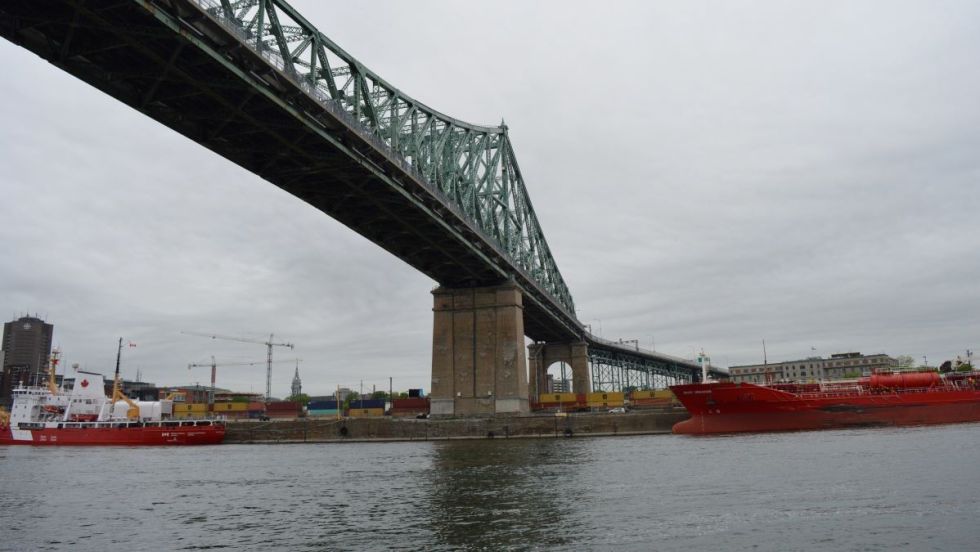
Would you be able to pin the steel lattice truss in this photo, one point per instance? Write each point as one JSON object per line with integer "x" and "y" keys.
{"x": 616, "y": 371}
{"x": 474, "y": 167}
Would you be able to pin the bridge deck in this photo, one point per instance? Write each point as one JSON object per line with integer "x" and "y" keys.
{"x": 195, "y": 77}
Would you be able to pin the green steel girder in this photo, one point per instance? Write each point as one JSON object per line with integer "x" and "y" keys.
{"x": 473, "y": 166}
{"x": 616, "y": 370}
{"x": 263, "y": 88}
{"x": 219, "y": 88}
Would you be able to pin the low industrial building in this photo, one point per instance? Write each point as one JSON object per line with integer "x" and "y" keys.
{"x": 838, "y": 366}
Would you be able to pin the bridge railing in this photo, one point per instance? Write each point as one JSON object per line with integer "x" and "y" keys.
{"x": 646, "y": 352}
{"x": 472, "y": 167}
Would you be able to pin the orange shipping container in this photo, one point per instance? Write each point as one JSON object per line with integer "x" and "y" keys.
{"x": 605, "y": 399}
{"x": 557, "y": 398}
{"x": 366, "y": 412}
{"x": 230, "y": 407}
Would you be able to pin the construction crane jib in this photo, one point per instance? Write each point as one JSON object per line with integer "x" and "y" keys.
{"x": 269, "y": 345}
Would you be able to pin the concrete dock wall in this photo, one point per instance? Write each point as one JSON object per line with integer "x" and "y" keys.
{"x": 410, "y": 429}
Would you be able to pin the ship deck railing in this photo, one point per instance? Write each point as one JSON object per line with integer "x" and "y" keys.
{"x": 117, "y": 424}
{"x": 875, "y": 391}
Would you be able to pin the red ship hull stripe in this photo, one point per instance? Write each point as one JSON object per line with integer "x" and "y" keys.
{"x": 204, "y": 435}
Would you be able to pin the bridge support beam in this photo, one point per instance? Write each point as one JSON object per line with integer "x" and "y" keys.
{"x": 543, "y": 355}
{"x": 478, "y": 361}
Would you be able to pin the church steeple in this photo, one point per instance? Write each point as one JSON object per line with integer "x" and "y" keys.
{"x": 297, "y": 384}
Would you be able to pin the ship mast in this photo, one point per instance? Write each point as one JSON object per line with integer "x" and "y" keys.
{"x": 52, "y": 367}
{"x": 704, "y": 360}
{"x": 117, "y": 395}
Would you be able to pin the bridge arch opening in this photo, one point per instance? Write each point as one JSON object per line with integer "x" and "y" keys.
{"x": 558, "y": 378}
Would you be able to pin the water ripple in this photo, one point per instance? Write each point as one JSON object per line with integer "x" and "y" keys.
{"x": 838, "y": 490}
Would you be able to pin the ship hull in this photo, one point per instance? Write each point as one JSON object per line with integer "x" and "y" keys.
{"x": 736, "y": 408}
{"x": 125, "y": 436}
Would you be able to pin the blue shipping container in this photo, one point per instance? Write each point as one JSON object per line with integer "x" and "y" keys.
{"x": 367, "y": 403}
{"x": 321, "y": 405}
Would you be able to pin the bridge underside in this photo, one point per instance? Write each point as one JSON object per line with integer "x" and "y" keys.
{"x": 169, "y": 61}
{"x": 202, "y": 83}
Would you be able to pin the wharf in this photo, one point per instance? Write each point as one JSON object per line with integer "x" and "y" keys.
{"x": 332, "y": 430}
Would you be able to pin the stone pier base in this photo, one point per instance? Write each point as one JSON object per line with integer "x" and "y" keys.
{"x": 478, "y": 355}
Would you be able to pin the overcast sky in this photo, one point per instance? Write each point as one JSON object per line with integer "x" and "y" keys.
{"x": 707, "y": 175}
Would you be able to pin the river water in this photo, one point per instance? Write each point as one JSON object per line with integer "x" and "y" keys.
{"x": 868, "y": 489}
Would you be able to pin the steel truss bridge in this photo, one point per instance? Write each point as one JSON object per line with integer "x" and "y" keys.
{"x": 616, "y": 366}
{"x": 257, "y": 83}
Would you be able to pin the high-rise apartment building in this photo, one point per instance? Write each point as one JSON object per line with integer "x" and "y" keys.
{"x": 26, "y": 350}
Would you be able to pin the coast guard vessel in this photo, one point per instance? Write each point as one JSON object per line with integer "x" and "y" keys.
{"x": 48, "y": 415}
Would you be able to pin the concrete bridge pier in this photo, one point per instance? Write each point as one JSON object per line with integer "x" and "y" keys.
{"x": 543, "y": 355}
{"x": 478, "y": 355}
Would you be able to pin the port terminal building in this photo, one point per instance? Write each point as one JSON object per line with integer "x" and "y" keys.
{"x": 838, "y": 366}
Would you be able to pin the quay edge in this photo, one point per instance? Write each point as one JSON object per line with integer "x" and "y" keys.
{"x": 332, "y": 430}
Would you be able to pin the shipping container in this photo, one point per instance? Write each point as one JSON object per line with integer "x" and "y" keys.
{"x": 366, "y": 412}
{"x": 563, "y": 398}
{"x": 604, "y": 396}
{"x": 230, "y": 407}
{"x": 414, "y": 403}
{"x": 322, "y": 412}
{"x": 605, "y": 399}
{"x": 321, "y": 405}
{"x": 283, "y": 406}
{"x": 367, "y": 403}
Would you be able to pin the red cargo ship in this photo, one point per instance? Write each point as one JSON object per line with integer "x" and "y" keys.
{"x": 909, "y": 398}
{"x": 86, "y": 416}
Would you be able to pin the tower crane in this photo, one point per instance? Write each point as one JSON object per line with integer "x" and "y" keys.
{"x": 214, "y": 369}
{"x": 268, "y": 363}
